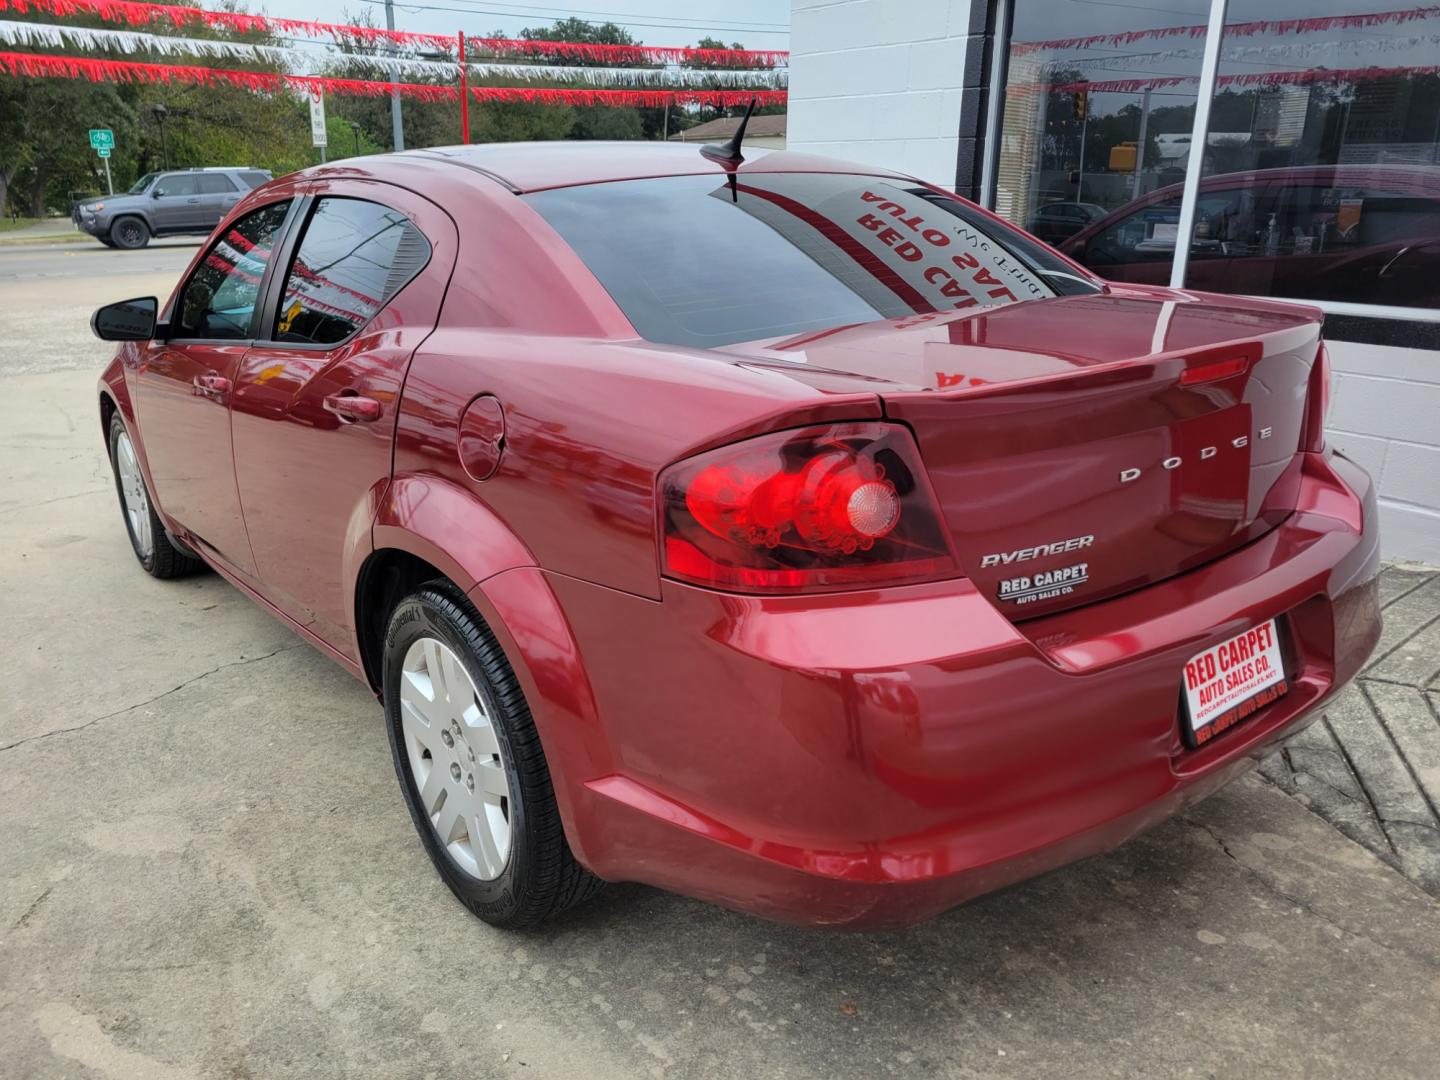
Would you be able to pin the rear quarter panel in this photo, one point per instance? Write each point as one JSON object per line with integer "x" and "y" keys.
{"x": 591, "y": 414}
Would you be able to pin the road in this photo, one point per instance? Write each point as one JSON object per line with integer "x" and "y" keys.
{"x": 207, "y": 869}
{"x": 48, "y": 285}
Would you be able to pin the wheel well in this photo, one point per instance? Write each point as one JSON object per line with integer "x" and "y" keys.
{"x": 388, "y": 576}
{"x": 107, "y": 410}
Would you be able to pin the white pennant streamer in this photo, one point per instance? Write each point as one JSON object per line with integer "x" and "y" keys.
{"x": 47, "y": 35}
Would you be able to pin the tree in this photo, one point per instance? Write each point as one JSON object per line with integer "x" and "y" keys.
{"x": 575, "y": 29}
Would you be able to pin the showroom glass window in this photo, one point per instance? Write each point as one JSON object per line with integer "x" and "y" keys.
{"x": 1320, "y": 175}
{"x": 1075, "y": 111}
{"x": 1323, "y": 163}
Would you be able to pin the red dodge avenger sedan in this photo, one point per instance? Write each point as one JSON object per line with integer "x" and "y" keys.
{"x": 782, "y": 532}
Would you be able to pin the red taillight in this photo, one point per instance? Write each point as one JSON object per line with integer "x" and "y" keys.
{"x": 1210, "y": 370}
{"x": 844, "y": 506}
{"x": 1317, "y": 404}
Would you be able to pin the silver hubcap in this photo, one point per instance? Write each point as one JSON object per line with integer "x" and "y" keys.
{"x": 132, "y": 490}
{"x": 454, "y": 758}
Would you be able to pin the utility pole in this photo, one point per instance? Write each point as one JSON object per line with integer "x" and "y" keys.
{"x": 1135, "y": 192}
{"x": 397, "y": 123}
{"x": 161, "y": 112}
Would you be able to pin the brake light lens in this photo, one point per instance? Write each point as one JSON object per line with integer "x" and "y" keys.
{"x": 1211, "y": 370}
{"x": 1317, "y": 403}
{"x": 841, "y": 506}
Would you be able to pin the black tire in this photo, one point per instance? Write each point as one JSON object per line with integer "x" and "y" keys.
{"x": 541, "y": 878}
{"x": 163, "y": 559}
{"x": 129, "y": 233}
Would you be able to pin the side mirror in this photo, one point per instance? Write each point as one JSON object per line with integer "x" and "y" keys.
{"x": 129, "y": 320}
{"x": 156, "y": 192}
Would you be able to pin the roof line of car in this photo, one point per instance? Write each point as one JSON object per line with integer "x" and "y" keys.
{"x": 487, "y": 173}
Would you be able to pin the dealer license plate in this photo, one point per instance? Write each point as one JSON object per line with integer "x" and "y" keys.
{"x": 1231, "y": 681}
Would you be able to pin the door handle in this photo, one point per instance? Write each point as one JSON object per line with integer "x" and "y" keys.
{"x": 211, "y": 385}
{"x": 352, "y": 407}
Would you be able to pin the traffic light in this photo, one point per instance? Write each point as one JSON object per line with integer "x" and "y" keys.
{"x": 1082, "y": 102}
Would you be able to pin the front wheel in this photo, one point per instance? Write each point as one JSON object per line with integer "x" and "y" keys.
{"x": 471, "y": 766}
{"x": 148, "y": 538}
{"x": 130, "y": 233}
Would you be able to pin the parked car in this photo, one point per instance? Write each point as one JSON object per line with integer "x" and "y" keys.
{"x": 1059, "y": 221}
{"x": 1364, "y": 234}
{"x": 167, "y": 203}
{"x": 789, "y": 534}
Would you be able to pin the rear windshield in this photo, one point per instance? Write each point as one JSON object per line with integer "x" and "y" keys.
{"x": 704, "y": 262}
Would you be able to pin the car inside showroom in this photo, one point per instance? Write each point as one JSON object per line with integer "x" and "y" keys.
{"x": 1296, "y": 144}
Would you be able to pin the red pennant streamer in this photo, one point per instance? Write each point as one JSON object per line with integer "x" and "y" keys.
{"x": 40, "y": 65}
{"x": 1234, "y": 30}
{"x": 137, "y": 13}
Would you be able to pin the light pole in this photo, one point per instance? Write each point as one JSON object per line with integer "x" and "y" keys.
{"x": 355, "y": 130}
{"x": 161, "y": 112}
{"x": 397, "y": 124}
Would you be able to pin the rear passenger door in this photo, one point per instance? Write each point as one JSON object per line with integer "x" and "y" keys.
{"x": 315, "y": 403}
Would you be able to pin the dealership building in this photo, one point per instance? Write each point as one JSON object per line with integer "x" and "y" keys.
{"x": 1296, "y": 144}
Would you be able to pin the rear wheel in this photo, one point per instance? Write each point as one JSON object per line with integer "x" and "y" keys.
{"x": 148, "y": 538}
{"x": 471, "y": 766}
{"x": 129, "y": 233}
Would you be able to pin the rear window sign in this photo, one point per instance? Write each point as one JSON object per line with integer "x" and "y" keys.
{"x": 890, "y": 245}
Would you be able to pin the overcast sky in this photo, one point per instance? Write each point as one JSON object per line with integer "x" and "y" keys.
{"x": 758, "y": 24}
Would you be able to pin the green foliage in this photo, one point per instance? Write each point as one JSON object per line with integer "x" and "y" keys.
{"x": 573, "y": 29}
{"x": 347, "y": 139}
{"x": 598, "y": 122}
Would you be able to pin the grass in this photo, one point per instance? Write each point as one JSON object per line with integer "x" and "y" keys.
{"x": 9, "y": 224}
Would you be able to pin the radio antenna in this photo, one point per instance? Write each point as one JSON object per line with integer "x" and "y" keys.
{"x": 729, "y": 153}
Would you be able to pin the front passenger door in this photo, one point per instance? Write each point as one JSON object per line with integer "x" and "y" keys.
{"x": 183, "y": 382}
{"x": 314, "y": 409}
{"x": 176, "y": 203}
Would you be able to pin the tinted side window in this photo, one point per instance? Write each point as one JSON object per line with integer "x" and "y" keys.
{"x": 353, "y": 257}
{"x": 254, "y": 177}
{"x": 219, "y": 299}
{"x": 215, "y": 184}
{"x": 171, "y": 186}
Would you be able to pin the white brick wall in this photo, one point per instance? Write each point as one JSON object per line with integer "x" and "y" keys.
{"x": 1386, "y": 415}
{"x": 878, "y": 82}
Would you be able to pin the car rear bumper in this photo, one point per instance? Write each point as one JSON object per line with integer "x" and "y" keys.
{"x": 872, "y": 759}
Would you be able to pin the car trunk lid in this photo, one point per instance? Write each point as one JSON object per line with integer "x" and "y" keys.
{"x": 1083, "y": 446}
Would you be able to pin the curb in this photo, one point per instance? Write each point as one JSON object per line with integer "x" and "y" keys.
{"x": 56, "y": 238}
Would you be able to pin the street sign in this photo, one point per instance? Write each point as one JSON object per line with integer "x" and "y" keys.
{"x": 102, "y": 139}
{"x": 317, "y": 120}
{"x": 103, "y": 151}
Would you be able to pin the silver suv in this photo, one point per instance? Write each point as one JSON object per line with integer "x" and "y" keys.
{"x": 166, "y": 204}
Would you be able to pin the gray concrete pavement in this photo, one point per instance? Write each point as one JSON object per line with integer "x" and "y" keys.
{"x": 1372, "y": 767}
{"x": 207, "y": 871}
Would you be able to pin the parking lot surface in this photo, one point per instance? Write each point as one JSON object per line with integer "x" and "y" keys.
{"x": 207, "y": 869}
